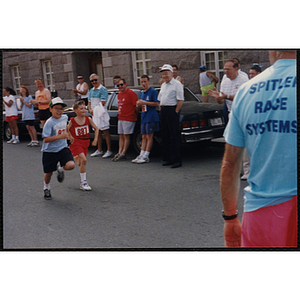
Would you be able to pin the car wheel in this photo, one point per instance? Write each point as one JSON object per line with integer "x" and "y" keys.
{"x": 7, "y": 132}
{"x": 137, "y": 141}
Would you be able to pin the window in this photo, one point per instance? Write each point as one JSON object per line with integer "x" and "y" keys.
{"x": 141, "y": 65}
{"x": 16, "y": 78}
{"x": 48, "y": 75}
{"x": 214, "y": 61}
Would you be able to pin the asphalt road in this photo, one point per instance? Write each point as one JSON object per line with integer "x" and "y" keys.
{"x": 131, "y": 206}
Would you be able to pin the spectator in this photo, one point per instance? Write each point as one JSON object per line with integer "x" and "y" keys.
{"x": 263, "y": 119}
{"x": 28, "y": 115}
{"x": 254, "y": 70}
{"x": 98, "y": 96}
{"x": 82, "y": 90}
{"x": 42, "y": 100}
{"x": 116, "y": 79}
{"x": 11, "y": 114}
{"x": 241, "y": 73}
{"x": 149, "y": 119}
{"x": 230, "y": 85}
{"x": 171, "y": 98}
{"x": 175, "y": 74}
{"x": 207, "y": 80}
{"x": 126, "y": 119}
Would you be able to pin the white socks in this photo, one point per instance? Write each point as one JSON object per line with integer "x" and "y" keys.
{"x": 83, "y": 177}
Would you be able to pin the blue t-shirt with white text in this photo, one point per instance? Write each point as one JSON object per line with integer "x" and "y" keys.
{"x": 263, "y": 119}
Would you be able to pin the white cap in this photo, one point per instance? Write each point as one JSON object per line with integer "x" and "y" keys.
{"x": 55, "y": 101}
{"x": 166, "y": 67}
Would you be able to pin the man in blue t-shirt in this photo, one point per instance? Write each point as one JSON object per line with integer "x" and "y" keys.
{"x": 263, "y": 120}
{"x": 149, "y": 119}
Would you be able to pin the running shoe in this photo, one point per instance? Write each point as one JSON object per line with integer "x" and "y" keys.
{"x": 143, "y": 160}
{"x": 136, "y": 159}
{"x": 10, "y": 141}
{"x": 60, "y": 174}
{"x": 107, "y": 154}
{"x": 96, "y": 153}
{"x": 84, "y": 186}
{"x": 47, "y": 194}
{"x": 16, "y": 142}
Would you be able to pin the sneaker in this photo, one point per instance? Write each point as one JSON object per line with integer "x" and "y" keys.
{"x": 96, "y": 153}
{"x": 10, "y": 141}
{"x": 16, "y": 142}
{"x": 136, "y": 159}
{"x": 120, "y": 157}
{"x": 60, "y": 174}
{"x": 30, "y": 144}
{"x": 35, "y": 144}
{"x": 47, "y": 194}
{"x": 143, "y": 160}
{"x": 107, "y": 154}
{"x": 84, "y": 186}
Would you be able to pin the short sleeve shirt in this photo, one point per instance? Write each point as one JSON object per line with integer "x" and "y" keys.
{"x": 263, "y": 119}
{"x": 170, "y": 93}
{"x": 55, "y": 127}
{"x": 127, "y": 106}
{"x": 97, "y": 95}
{"x": 149, "y": 113}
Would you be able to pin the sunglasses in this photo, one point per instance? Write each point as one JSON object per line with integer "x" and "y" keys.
{"x": 120, "y": 84}
{"x": 94, "y": 80}
{"x": 79, "y": 77}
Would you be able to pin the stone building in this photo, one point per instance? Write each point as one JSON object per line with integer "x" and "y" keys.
{"x": 59, "y": 68}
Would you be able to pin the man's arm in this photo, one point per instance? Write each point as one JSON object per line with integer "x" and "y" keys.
{"x": 230, "y": 186}
{"x": 179, "y": 105}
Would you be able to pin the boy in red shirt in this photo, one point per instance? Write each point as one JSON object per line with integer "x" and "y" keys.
{"x": 79, "y": 127}
{"x": 127, "y": 117}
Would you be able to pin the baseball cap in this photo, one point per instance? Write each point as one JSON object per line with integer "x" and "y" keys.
{"x": 166, "y": 67}
{"x": 202, "y": 68}
{"x": 56, "y": 101}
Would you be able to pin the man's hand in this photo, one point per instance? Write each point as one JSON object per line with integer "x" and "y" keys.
{"x": 215, "y": 93}
{"x": 232, "y": 233}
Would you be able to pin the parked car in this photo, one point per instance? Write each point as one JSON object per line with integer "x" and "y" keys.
{"x": 21, "y": 125}
{"x": 198, "y": 121}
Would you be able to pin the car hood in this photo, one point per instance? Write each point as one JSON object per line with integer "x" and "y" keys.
{"x": 196, "y": 107}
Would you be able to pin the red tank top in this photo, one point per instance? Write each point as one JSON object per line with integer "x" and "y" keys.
{"x": 80, "y": 131}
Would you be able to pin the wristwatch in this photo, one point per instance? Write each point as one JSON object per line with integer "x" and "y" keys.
{"x": 227, "y": 218}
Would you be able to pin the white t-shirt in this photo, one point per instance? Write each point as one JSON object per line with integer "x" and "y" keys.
{"x": 230, "y": 87}
{"x": 12, "y": 110}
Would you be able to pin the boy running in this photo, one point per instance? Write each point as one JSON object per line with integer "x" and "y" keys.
{"x": 79, "y": 127}
{"x": 56, "y": 154}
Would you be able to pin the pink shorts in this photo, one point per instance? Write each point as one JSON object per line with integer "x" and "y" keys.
{"x": 11, "y": 118}
{"x": 272, "y": 226}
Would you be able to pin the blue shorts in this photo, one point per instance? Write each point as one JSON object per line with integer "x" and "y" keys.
{"x": 148, "y": 128}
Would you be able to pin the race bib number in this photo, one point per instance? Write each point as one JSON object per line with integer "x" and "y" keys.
{"x": 60, "y": 131}
{"x": 82, "y": 130}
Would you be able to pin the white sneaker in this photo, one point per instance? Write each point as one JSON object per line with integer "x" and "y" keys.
{"x": 84, "y": 186}
{"x": 96, "y": 153}
{"x": 107, "y": 154}
{"x": 10, "y": 141}
{"x": 136, "y": 159}
{"x": 143, "y": 160}
{"x": 16, "y": 142}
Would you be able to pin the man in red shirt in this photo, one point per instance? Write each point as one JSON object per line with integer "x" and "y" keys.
{"x": 127, "y": 117}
